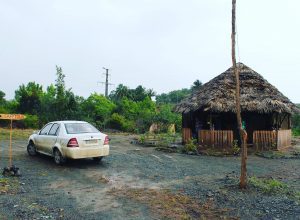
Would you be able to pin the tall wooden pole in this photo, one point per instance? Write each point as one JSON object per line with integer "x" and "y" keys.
{"x": 242, "y": 133}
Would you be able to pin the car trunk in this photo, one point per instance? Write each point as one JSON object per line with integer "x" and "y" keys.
{"x": 90, "y": 140}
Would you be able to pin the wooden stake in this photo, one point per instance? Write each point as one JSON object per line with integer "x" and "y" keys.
{"x": 10, "y": 144}
{"x": 242, "y": 133}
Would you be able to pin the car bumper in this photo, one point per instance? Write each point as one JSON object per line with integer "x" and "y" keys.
{"x": 87, "y": 152}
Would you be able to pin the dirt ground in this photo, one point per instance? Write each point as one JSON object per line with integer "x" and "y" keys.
{"x": 137, "y": 182}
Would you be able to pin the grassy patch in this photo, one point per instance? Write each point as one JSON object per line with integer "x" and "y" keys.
{"x": 9, "y": 185}
{"x": 17, "y": 134}
{"x": 278, "y": 154}
{"x": 273, "y": 187}
{"x": 167, "y": 205}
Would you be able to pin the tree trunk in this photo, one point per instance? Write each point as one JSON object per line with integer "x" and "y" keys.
{"x": 242, "y": 133}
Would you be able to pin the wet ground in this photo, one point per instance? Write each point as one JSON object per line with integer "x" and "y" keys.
{"x": 137, "y": 182}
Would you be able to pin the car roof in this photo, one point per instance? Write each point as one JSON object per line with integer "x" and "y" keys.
{"x": 68, "y": 121}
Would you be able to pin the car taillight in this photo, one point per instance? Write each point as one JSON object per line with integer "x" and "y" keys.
{"x": 73, "y": 143}
{"x": 106, "y": 140}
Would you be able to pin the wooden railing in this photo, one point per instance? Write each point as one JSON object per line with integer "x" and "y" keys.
{"x": 186, "y": 135}
{"x": 264, "y": 140}
{"x": 272, "y": 140}
{"x": 215, "y": 138}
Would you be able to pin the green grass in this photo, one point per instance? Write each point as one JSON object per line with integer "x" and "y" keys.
{"x": 296, "y": 132}
{"x": 278, "y": 154}
{"x": 17, "y": 134}
{"x": 272, "y": 186}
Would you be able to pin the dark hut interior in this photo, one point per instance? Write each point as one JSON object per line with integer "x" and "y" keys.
{"x": 265, "y": 110}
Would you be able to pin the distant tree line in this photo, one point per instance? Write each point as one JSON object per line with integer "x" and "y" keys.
{"x": 130, "y": 110}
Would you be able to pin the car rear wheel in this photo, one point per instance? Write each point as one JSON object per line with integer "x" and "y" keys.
{"x": 97, "y": 159}
{"x": 31, "y": 149}
{"x": 58, "y": 158}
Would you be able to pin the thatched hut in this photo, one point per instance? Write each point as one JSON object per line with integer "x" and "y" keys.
{"x": 209, "y": 113}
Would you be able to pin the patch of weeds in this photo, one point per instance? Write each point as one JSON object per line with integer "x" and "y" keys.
{"x": 167, "y": 205}
{"x": 273, "y": 187}
{"x": 278, "y": 155}
{"x": 190, "y": 147}
{"x": 166, "y": 149}
{"x": 9, "y": 185}
{"x": 235, "y": 148}
{"x": 17, "y": 134}
{"x": 269, "y": 186}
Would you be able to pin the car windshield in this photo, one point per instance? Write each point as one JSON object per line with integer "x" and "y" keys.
{"x": 79, "y": 128}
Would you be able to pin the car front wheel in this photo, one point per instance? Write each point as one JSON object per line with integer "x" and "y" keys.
{"x": 58, "y": 158}
{"x": 31, "y": 149}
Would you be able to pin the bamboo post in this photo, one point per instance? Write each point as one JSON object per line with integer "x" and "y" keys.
{"x": 10, "y": 144}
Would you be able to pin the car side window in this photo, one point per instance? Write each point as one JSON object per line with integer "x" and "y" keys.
{"x": 46, "y": 129}
{"x": 54, "y": 130}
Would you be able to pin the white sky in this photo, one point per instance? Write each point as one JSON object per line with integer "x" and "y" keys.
{"x": 160, "y": 44}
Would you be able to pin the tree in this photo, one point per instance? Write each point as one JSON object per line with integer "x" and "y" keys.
{"x": 173, "y": 97}
{"x": 98, "y": 109}
{"x": 242, "y": 132}
{"x": 196, "y": 85}
{"x": 29, "y": 98}
{"x": 2, "y": 99}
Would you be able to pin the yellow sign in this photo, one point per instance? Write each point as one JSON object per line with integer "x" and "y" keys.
{"x": 12, "y": 116}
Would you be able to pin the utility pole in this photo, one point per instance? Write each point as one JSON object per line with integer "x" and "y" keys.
{"x": 242, "y": 132}
{"x": 106, "y": 81}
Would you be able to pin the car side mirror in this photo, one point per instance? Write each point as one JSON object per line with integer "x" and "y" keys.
{"x": 36, "y": 132}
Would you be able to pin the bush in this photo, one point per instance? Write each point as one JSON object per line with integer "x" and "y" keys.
{"x": 119, "y": 122}
{"x": 31, "y": 121}
{"x": 190, "y": 147}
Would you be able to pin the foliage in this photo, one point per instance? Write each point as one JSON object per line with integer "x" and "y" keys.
{"x": 138, "y": 94}
{"x": 235, "y": 148}
{"x": 97, "y": 109}
{"x": 119, "y": 122}
{"x": 166, "y": 116}
{"x": 29, "y": 98}
{"x": 268, "y": 186}
{"x": 190, "y": 147}
{"x": 173, "y": 97}
{"x": 196, "y": 85}
{"x": 177, "y": 96}
{"x": 126, "y": 109}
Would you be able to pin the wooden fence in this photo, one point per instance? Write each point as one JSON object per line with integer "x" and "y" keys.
{"x": 186, "y": 135}
{"x": 216, "y": 138}
{"x": 271, "y": 140}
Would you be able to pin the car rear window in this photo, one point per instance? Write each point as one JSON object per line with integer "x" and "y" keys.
{"x": 80, "y": 128}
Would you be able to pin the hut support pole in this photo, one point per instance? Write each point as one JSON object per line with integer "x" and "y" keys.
{"x": 242, "y": 133}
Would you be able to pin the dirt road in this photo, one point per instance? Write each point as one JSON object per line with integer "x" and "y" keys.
{"x": 137, "y": 182}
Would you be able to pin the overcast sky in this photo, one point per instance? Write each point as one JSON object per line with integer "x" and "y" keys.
{"x": 160, "y": 44}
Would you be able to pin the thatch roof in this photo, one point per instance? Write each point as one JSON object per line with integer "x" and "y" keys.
{"x": 218, "y": 95}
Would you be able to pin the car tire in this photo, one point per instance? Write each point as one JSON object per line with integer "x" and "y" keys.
{"x": 58, "y": 158}
{"x": 97, "y": 159}
{"x": 31, "y": 149}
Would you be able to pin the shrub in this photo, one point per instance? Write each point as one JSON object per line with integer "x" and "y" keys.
{"x": 190, "y": 146}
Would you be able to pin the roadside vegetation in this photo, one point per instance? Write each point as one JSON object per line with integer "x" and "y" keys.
{"x": 126, "y": 109}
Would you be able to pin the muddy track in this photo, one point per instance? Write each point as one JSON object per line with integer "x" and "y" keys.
{"x": 113, "y": 189}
